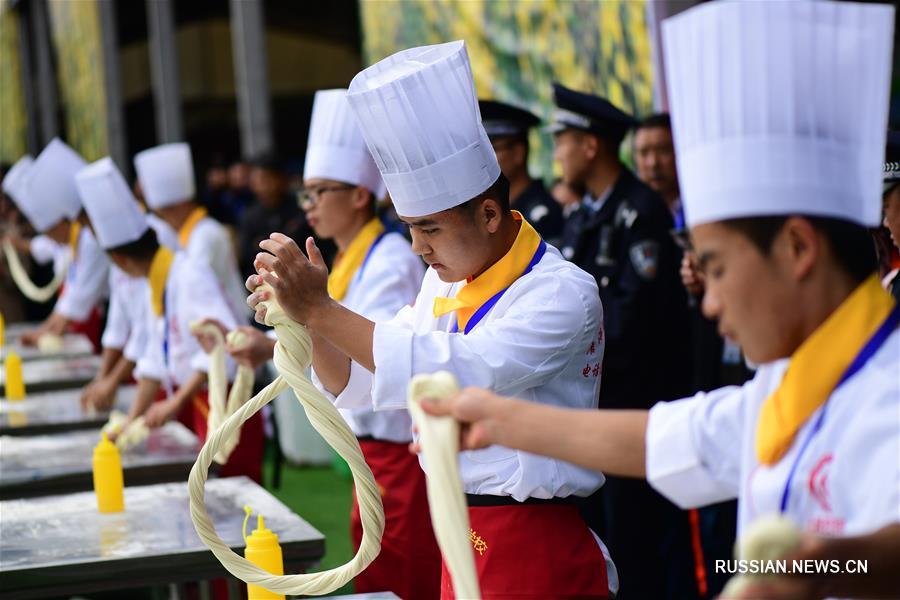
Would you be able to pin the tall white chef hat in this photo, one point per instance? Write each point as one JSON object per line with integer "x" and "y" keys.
{"x": 14, "y": 185}
{"x": 50, "y": 187}
{"x": 113, "y": 210}
{"x": 780, "y": 107}
{"x": 419, "y": 114}
{"x": 166, "y": 174}
{"x": 336, "y": 148}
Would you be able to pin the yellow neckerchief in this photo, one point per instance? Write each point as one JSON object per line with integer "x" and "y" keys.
{"x": 74, "y": 236}
{"x": 159, "y": 274}
{"x": 348, "y": 262}
{"x": 184, "y": 232}
{"x": 498, "y": 277}
{"x": 817, "y": 366}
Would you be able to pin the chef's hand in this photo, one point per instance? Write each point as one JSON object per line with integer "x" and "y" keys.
{"x": 478, "y": 413}
{"x": 161, "y": 412}
{"x": 255, "y": 348}
{"x": 301, "y": 283}
{"x": 208, "y": 341}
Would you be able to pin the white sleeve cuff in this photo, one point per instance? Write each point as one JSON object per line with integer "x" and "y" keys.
{"x": 321, "y": 387}
{"x": 147, "y": 368}
{"x": 72, "y": 307}
{"x": 43, "y": 249}
{"x": 674, "y": 467}
{"x": 113, "y": 339}
{"x": 356, "y": 394}
{"x": 132, "y": 351}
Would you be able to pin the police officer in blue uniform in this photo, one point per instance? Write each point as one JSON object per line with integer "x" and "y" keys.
{"x": 507, "y": 127}
{"x": 621, "y": 234}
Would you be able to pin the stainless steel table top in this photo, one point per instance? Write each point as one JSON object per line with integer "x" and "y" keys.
{"x": 74, "y": 345}
{"x": 63, "y": 545}
{"x": 55, "y": 373}
{"x": 53, "y": 412}
{"x": 61, "y": 463}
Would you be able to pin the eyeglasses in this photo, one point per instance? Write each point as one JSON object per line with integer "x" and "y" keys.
{"x": 309, "y": 197}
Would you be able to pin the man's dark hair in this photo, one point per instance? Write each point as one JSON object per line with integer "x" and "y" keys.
{"x": 518, "y": 138}
{"x": 498, "y": 192}
{"x": 143, "y": 248}
{"x": 655, "y": 120}
{"x": 851, "y": 244}
{"x": 373, "y": 201}
{"x": 610, "y": 138}
{"x": 268, "y": 162}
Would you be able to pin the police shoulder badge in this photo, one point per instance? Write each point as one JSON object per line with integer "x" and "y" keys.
{"x": 537, "y": 213}
{"x": 645, "y": 258}
{"x": 625, "y": 215}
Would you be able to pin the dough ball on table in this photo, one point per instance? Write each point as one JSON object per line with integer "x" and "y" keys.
{"x": 50, "y": 343}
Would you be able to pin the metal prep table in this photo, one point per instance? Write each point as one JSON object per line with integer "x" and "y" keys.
{"x": 51, "y": 374}
{"x": 53, "y": 412}
{"x": 74, "y": 346}
{"x": 61, "y": 545}
{"x": 61, "y": 463}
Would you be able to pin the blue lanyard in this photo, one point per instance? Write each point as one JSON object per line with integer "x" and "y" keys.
{"x": 867, "y": 352}
{"x": 487, "y": 306}
{"x": 365, "y": 261}
{"x": 679, "y": 217}
{"x": 165, "y": 316}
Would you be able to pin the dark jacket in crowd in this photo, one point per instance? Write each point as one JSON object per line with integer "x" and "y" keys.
{"x": 625, "y": 242}
{"x": 258, "y": 223}
{"x": 542, "y": 211}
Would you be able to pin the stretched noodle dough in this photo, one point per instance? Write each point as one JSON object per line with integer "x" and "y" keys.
{"x": 23, "y": 281}
{"x": 293, "y": 354}
{"x": 439, "y": 438}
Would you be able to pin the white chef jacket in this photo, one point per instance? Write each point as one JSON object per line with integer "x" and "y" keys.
{"x": 165, "y": 235}
{"x": 701, "y": 450}
{"x": 210, "y": 244}
{"x": 388, "y": 281}
{"x": 87, "y": 281}
{"x": 542, "y": 341}
{"x": 126, "y": 319}
{"x": 192, "y": 293}
{"x": 43, "y": 250}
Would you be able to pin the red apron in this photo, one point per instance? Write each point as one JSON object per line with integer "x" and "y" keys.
{"x": 410, "y": 562}
{"x": 92, "y": 327}
{"x": 247, "y": 457}
{"x": 539, "y": 551}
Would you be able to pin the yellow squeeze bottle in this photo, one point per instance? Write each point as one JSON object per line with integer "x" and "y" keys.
{"x": 109, "y": 485}
{"x": 15, "y": 386}
{"x": 263, "y": 551}
{"x": 2, "y": 331}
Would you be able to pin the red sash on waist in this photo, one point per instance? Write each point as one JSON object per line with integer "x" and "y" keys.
{"x": 539, "y": 551}
{"x": 410, "y": 562}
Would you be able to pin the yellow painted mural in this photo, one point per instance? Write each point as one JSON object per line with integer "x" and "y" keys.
{"x": 519, "y": 47}
{"x": 13, "y": 118}
{"x": 76, "y": 35}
